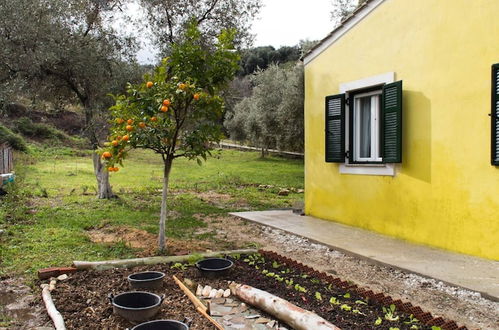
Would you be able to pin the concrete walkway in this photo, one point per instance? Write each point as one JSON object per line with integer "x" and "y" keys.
{"x": 472, "y": 273}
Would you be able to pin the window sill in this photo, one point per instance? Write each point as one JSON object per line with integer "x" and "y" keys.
{"x": 368, "y": 169}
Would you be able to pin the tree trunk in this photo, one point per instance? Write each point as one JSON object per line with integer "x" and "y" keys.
{"x": 104, "y": 190}
{"x": 162, "y": 218}
{"x": 296, "y": 317}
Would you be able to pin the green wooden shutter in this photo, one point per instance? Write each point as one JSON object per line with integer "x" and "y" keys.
{"x": 335, "y": 128}
{"x": 392, "y": 123}
{"x": 494, "y": 115}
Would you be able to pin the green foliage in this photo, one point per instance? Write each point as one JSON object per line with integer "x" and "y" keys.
{"x": 260, "y": 58}
{"x": 272, "y": 117}
{"x": 167, "y": 19}
{"x": 378, "y": 321}
{"x": 15, "y": 141}
{"x": 390, "y": 313}
{"x": 175, "y": 112}
{"x": 334, "y": 301}
{"x": 27, "y": 127}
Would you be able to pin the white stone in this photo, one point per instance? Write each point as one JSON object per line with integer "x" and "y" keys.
{"x": 206, "y": 291}
{"x": 220, "y": 293}
{"x": 226, "y": 293}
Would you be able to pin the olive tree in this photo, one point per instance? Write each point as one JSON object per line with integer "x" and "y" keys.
{"x": 168, "y": 18}
{"x": 67, "y": 49}
{"x": 272, "y": 117}
{"x": 176, "y": 111}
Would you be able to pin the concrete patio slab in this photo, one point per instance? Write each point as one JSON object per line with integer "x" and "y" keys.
{"x": 476, "y": 274}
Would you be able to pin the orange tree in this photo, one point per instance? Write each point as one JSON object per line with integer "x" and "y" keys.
{"x": 177, "y": 109}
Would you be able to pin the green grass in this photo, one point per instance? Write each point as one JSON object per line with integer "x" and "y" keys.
{"x": 48, "y": 211}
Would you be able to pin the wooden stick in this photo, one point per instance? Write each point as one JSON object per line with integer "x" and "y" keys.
{"x": 51, "y": 310}
{"x": 211, "y": 319}
{"x": 200, "y": 307}
{"x": 195, "y": 300}
{"x": 125, "y": 263}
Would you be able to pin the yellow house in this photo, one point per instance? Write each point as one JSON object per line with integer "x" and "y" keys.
{"x": 401, "y": 123}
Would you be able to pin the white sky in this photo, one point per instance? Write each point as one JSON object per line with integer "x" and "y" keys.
{"x": 281, "y": 23}
{"x": 286, "y": 22}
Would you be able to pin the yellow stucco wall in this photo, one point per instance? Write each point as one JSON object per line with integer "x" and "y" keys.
{"x": 445, "y": 193}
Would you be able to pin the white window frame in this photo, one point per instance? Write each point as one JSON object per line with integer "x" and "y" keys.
{"x": 364, "y": 169}
{"x": 375, "y": 113}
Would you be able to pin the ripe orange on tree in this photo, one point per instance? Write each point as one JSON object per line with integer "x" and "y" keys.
{"x": 196, "y": 96}
{"x": 129, "y": 121}
{"x": 166, "y": 102}
{"x": 126, "y": 138}
{"x": 106, "y": 154}
{"x": 120, "y": 121}
{"x": 142, "y": 124}
{"x": 149, "y": 84}
{"x": 154, "y": 119}
{"x": 164, "y": 108}
{"x": 129, "y": 128}
{"x": 118, "y": 137}
{"x": 114, "y": 143}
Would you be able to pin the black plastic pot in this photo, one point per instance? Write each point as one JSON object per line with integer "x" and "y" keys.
{"x": 146, "y": 280}
{"x": 162, "y": 325}
{"x": 214, "y": 267}
{"x": 136, "y": 306}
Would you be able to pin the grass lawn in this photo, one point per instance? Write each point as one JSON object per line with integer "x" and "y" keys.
{"x": 48, "y": 213}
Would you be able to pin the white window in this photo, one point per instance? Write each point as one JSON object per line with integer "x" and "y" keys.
{"x": 365, "y": 124}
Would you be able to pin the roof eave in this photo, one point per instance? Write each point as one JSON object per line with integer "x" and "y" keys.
{"x": 346, "y": 25}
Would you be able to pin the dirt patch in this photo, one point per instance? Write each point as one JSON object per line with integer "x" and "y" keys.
{"x": 222, "y": 201}
{"x": 145, "y": 242}
{"x": 83, "y": 302}
{"x": 465, "y": 307}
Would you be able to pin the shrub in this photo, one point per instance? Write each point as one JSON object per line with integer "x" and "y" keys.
{"x": 28, "y": 128}
{"x": 14, "y": 140}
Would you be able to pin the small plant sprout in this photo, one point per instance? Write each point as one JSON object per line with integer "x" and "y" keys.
{"x": 346, "y": 295}
{"x": 275, "y": 264}
{"x": 318, "y": 295}
{"x": 391, "y": 328}
{"x": 345, "y": 307}
{"x": 434, "y": 327}
{"x": 278, "y": 278}
{"x": 334, "y": 301}
{"x": 264, "y": 271}
{"x": 236, "y": 256}
{"x": 390, "y": 313}
{"x": 299, "y": 288}
{"x": 378, "y": 321}
{"x": 304, "y": 276}
{"x": 178, "y": 265}
{"x": 360, "y": 302}
{"x": 270, "y": 274}
{"x": 411, "y": 320}
{"x": 315, "y": 281}
{"x": 289, "y": 282}
{"x": 357, "y": 311}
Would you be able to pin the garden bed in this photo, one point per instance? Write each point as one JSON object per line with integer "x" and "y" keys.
{"x": 82, "y": 299}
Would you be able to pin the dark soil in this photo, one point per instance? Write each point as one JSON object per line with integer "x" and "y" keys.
{"x": 82, "y": 299}
{"x": 83, "y": 303}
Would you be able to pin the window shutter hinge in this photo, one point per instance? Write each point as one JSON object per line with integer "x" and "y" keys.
{"x": 347, "y": 154}
{"x": 347, "y": 101}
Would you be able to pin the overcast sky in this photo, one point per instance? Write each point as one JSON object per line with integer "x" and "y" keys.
{"x": 286, "y": 22}
{"x": 283, "y": 23}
